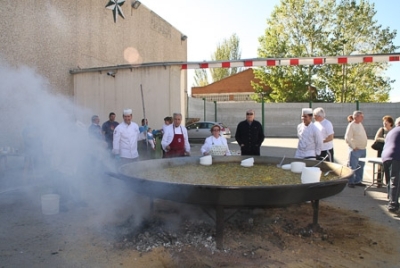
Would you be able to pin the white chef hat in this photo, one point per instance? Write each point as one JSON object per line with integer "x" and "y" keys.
{"x": 306, "y": 111}
{"x": 127, "y": 111}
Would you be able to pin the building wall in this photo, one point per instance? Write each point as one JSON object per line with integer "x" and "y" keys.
{"x": 281, "y": 119}
{"x": 54, "y": 37}
{"x": 105, "y": 94}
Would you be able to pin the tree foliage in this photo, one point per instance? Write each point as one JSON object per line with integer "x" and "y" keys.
{"x": 201, "y": 78}
{"x": 229, "y": 49}
{"x": 311, "y": 28}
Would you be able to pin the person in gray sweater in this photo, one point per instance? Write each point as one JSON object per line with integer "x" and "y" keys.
{"x": 391, "y": 164}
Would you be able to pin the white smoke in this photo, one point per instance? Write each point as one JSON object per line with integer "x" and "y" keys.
{"x": 68, "y": 161}
{"x": 26, "y": 99}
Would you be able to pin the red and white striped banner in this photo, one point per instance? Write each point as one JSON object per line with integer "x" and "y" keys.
{"x": 294, "y": 61}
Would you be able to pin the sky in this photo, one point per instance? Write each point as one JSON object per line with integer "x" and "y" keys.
{"x": 207, "y": 23}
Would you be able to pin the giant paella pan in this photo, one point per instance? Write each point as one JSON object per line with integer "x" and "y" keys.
{"x": 227, "y": 184}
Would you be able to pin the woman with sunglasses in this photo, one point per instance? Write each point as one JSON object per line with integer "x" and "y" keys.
{"x": 215, "y": 144}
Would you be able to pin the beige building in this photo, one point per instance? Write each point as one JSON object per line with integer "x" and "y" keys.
{"x": 75, "y": 43}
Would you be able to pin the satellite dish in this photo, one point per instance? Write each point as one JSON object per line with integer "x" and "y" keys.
{"x": 135, "y": 4}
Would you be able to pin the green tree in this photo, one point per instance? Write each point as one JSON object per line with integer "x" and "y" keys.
{"x": 310, "y": 28}
{"x": 228, "y": 50}
{"x": 356, "y": 32}
{"x": 200, "y": 78}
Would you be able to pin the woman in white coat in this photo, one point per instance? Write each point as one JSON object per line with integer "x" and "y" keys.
{"x": 215, "y": 144}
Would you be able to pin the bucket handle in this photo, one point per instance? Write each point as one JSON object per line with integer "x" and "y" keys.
{"x": 323, "y": 159}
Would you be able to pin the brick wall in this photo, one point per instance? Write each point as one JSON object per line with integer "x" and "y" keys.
{"x": 237, "y": 83}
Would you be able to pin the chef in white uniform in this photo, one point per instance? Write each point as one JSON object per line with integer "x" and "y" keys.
{"x": 310, "y": 138}
{"x": 215, "y": 144}
{"x": 126, "y": 136}
{"x": 326, "y": 128}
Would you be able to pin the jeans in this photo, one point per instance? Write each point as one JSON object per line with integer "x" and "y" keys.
{"x": 357, "y": 165}
{"x": 387, "y": 167}
{"x": 393, "y": 166}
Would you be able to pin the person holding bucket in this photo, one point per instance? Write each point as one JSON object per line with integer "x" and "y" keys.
{"x": 215, "y": 144}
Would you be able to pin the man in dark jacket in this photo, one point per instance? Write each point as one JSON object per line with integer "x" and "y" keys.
{"x": 108, "y": 129}
{"x": 250, "y": 135}
{"x": 391, "y": 163}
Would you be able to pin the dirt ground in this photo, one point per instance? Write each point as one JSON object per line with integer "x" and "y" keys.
{"x": 280, "y": 237}
{"x": 120, "y": 230}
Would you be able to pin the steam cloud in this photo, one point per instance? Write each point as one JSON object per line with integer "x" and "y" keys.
{"x": 69, "y": 162}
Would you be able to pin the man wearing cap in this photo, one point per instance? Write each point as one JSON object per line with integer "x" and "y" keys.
{"x": 175, "y": 141}
{"x": 357, "y": 139}
{"x": 310, "y": 139}
{"x": 250, "y": 135}
{"x": 126, "y": 136}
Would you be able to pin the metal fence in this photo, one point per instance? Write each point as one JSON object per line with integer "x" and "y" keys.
{"x": 281, "y": 119}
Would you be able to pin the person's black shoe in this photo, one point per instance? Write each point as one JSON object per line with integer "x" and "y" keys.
{"x": 350, "y": 185}
{"x": 393, "y": 208}
{"x": 360, "y": 184}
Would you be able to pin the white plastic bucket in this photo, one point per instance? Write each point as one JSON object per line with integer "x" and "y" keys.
{"x": 206, "y": 160}
{"x": 50, "y": 204}
{"x": 310, "y": 174}
{"x": 297, "y": 167}
{"x": 248, "y": 161}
